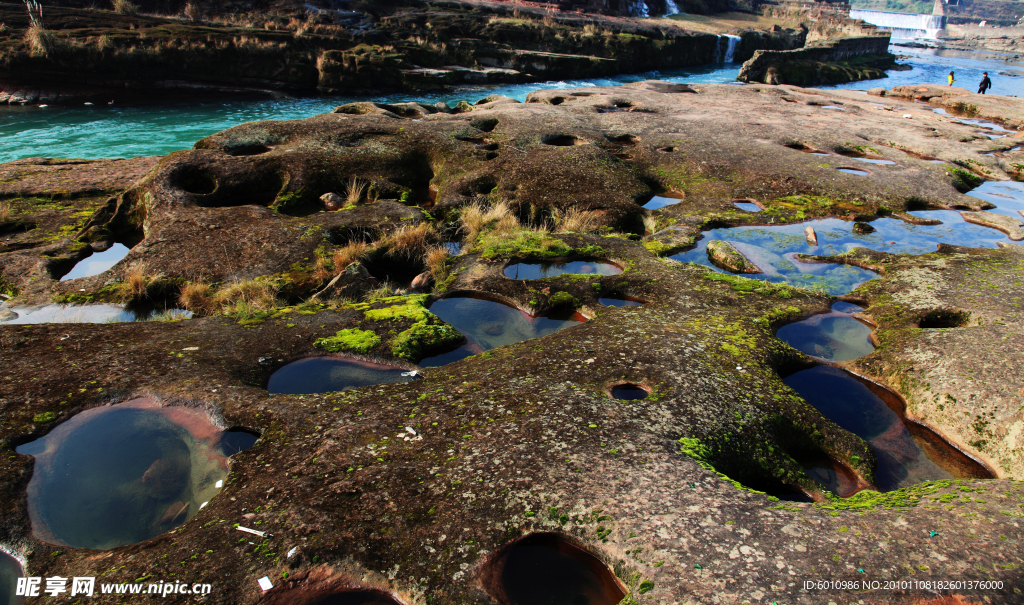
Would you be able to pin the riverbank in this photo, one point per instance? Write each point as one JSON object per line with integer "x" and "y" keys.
{"x": 93, "y": 55}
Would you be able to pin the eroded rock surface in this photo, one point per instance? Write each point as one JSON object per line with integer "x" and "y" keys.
{"x": 408, "y": 489}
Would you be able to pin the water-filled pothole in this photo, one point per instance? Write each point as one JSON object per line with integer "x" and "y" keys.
{"x": 103, "y": 313}
{"x": 849, "y": 403}
{"x": 627, "y": 301}
{"x": 552, "y": 269}
{"x": 774, "y": 248}
{"x": 628, "y": 391}
{"x": 122, "y": 474}
{"x": 98, "y": 262}
{"x": 661, "y": 201}
{"x": 835, "y": 336}
{"x": 854, "y": 171}
{"x": 488, "y": 324}
{"x": 835, "y": 477}
{"x": 10, "y": 571}
{"x": 878, "y": 161}
{"x": 747, "y": 205}
{"x": 327, "y": 374}
{"x": 546, "y": 568}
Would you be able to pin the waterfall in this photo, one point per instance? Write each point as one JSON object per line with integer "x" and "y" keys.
{"x": 671, "y": 8}
{"x": 726, "y": 48}
{"x": 903, "y": 25}
{"x": 731, "y": 49}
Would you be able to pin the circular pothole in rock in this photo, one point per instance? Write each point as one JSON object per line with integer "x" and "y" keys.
{"x": 248, "y": 149}
{"x": 836, "y": 336}
{"x": 327, "y": 374}
{"x": 628, "y": 391}
{"x": 195, "y": 180}
{"x": 358, "y": 597}
{"x": 237, "y": 439}
{"x": 122, "y": 474}
{"x": 944, "y": 318}
{"x": 562, "y": 140}
{"x": 548, "y": 568}
{"x": 854, "y": 171}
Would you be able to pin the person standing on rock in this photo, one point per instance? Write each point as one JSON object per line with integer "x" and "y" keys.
{"x": 951, "y": 78}
{"x": 985, "y": 84}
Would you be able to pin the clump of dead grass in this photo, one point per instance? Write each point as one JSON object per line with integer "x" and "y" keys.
{"x": 197, "y": 298}
{"x": 436, "y": 261}
{"x": 498, "y": 218}
{"x": 411, "y": 242}
{"x": 350, "y": 253}
{"x": 576, "y": 221}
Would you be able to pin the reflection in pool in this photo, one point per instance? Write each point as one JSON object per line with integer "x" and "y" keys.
{"x": 660, "y": 201}
{"x": 620, "y": 302}
{"x": 326, "y": 374}
{"x": 579, "y": 267}
{"x": 773, "y": 248}
{"x": 854, "y": 171}
{"x": 98, "y": 262}
{"x": 122, "y": 474}
{"x": 835, "y": 336}
{"x": 846, "y": 401}
{"x": 487, "y": 324}
{"x": 748, "y": 206}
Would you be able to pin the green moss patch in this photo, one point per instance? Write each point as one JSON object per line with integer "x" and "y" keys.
{"x": 359, "y": 341}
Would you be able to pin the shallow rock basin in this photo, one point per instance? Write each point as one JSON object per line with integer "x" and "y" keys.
{"x": 846, "y": 401}
{"x": 620, "y": 302}
{"x": 122, "y": 474}
{"x": 487, "y": 323}
{"x": 629, "y": 392}
{"x": 83, "y": 314}
{"x": 547, "y": 569}
{"x": 854, "y": 171}
{"x": 836, "y": 336}
{"x": 98, "y": 262}
{"x": 542, "y": 270}
{"x": 661, "y": 201}
{"x": 774, "y": 247}
{"x": 330, "y": 373}
{"x": 747, "y": 206}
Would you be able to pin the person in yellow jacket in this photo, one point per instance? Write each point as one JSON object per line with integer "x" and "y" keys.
{"x": 951, "y": 78}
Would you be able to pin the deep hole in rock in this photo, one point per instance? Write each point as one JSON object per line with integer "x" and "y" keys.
{"x": 557, "y": 100}
{"x": 485, "y": 124}
{"x": 358, "y": 597}
{"x": 806, "y": 148}
{"x": 195, "y": 180}
{"x": 237, "y": 439}
{"x": 549, "y": 568}
{"x": 399, "y": 272}
{"x": 251, "y": 149}
{"x": 628, "y": 391}
{"x": 561, "y": 140}
{"x": 944, "y": 318}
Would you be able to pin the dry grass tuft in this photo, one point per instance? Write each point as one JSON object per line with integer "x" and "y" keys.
{"x": 125, "y": 7}
{"x": 196, "y": 297}
{"x": 499, "y": 219}
{"x": 436, "y": 261}
{"x": 576, "y": 221}
{"x": 350, "y": 253}
{"x": 193, "y": 12}
{"x": 40, "y": 40}
{"x": 411, "y": 242}
{"x": 246, "y": 297}
{"x": 322, "y": 269}
{"x": 136, "y": 281}
{"x": 6, "y": 211}
{"x": 650, "y": 224}
{"x": 355, "y": 190}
